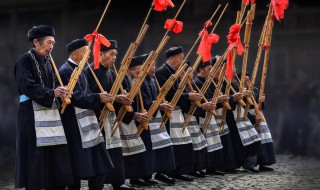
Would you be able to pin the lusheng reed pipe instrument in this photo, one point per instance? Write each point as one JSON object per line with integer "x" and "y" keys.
{"x": 161, "y": 95}
{"x": 53, "y": 64}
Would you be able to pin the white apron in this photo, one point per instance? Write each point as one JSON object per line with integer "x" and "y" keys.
{"x": 130, "y": 144}
{"x": 263, "y": 130}
{"x": 212, "y": 135}
{"x": 48, "y": 125}
{"x": 159, "y": 137}
{"x": 88, "y": 127}
{"x": 198, "y": 140}
{"x": 115, "y": 140}
{"x": 178, "y": 137}
{"x": 247, "y": 132}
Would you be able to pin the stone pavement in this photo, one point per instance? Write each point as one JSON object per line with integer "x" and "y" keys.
{"x": 297, "y": 173}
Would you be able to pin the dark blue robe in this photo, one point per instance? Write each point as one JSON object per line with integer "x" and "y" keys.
{"x": 37, "y": 167}
{"x": 106, "y": 77}
{"x": 184, "y": 155}
{"x": 86, "y": 162}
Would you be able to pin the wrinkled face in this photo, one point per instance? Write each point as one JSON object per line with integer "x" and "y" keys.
{"x": 152, "y": 69}
{"x": 206, "y": 70}
{"x": 108, "y": 58}
{"x": 78, "y": 54}
{"x": 44, "y": 46}
{"x": 134, "y": 71}
{"x": 247, "y": 81}
{"x": 176, "y": 60}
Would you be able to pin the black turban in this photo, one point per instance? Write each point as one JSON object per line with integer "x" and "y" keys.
{"x": 40, "y": 31}
{"x": 76, "y": 44}
{"x": 173, "y": 51}
{"x": 113, "y": 45}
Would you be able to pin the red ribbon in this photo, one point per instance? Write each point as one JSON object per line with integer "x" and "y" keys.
{"x": 160, "y": 5}
{"x": 98, "y": 40}
{"x": 207, "y": 40}
{"x": 233, "y": 39}
{"x": 174, "y": 25}
{"x": 229, "y": 72}
{"x": 278, "y": 8}
{"x": 246, "y": 2}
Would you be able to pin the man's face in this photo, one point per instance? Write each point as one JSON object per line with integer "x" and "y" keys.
{"x": 79, "y": 54}
{"x": 134, "y": 71}
{"x": 109, "y": 57}
{"x": 176, "y": 60}
{"x": 44, "y": 47}
{"x": 206, "y": 70}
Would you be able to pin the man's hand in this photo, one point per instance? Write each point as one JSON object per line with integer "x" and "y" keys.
{"x": 141, "y": 116}
{"x": 247, "y": 93}
{"x": 166, "y": 107}
{"x": 62, "y": 92}
{"x": 222, "y": 98}
{"x": 123, "y": 99}
{"x": 194, "y": 96}
{"x": 208, "y": 106}
{"x": 262, "y": 98}
{"x": 105, "y": 97}
{"x": 237, "y": 96}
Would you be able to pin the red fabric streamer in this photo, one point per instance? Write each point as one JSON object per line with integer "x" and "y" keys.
{"x": 207, "y": 40}
{"x": 278, "y": 8}
{"x": 246, "y": 2}
{"x": 98, "y": 40}
{"x": 234, "y": 37}
{"x": 160, "y": 5}
{"x": 174, "y": 25}
{"x": 229, "y": 71}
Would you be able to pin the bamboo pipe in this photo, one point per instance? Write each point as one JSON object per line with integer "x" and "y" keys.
{"x": 144, "y": 123}
{"x": 127, "y": 107}
{"x": 67, "y": 100}
{"x": 164, "y": 101}
{"x": 108, "y": 104}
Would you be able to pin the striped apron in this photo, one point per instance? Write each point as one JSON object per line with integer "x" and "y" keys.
{"x": 48, "y": 125}
{"x": 263, "y": 130}
{"x": 115, "y": 140}
{"x": 198, "y": 140}
{"x": 88, "y": 127}
{"x": 247, "y": 132}
{"x": 159, "y": 137}
{"x": 178, "y": 137}
{"x": 212, "y": 135}
{"x": 130, "y": 144}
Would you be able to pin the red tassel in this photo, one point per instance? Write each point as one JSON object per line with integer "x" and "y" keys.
{"x": 160, "y": 5}
{"x": 174, "y": 25}
{"x": 229, "y": 72}
{"x": 98, "y": 40}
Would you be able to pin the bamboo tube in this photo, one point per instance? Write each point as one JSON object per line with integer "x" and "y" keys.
{"x": 144, "y": 124}
{"x": 162, "y": 93}
{"x": 75, "y": 75}
{"x": 164, "y": 101}
{"x": 215, "y": 96}
{"x": 258, "y": 57}
{"x": 108, "y": 104}
{"x": 127, "y": 107}
{"x": 267, "y": 44}
{"x": 143, "y": 73}
{"x": 67, "y": 100}
{"x": 122, "y": 71}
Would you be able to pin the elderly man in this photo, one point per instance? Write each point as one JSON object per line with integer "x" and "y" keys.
{"x": 42, "y": 157}
{"x": 90, "y": 159}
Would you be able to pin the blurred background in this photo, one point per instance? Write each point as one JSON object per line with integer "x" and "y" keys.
{"x": 292, "y": 94}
